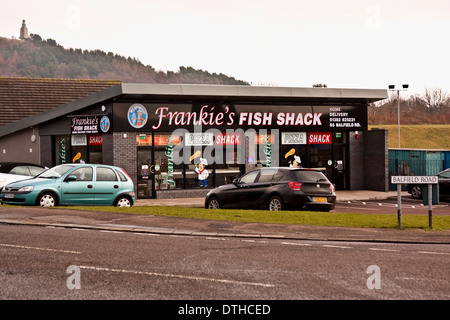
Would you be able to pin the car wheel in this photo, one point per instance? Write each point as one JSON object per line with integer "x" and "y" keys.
{"x": 275, "y": 204}
{"x": 47, "y": 200}
{"x": 416, "y": 192}
{"x": 213, "y": 203}
{"x": 123, "y": 202}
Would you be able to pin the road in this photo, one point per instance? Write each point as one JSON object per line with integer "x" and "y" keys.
{"x": 389, "y": 206}
{"x": 61, "y": 263}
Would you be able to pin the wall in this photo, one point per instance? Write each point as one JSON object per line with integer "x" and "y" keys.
{"x": 376, "y": 160}
{"x": 369, "y": 160}
{"x": 124, "y": 152}
{"x": 19, "y": 147}
{"x": 46, "y": 151}
{"x": 356, "y": 159}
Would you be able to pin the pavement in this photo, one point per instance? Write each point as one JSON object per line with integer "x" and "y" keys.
{"x": 175, "y": 226}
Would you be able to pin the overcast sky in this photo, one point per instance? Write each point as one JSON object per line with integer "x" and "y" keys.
{"x": 345, "y": 44}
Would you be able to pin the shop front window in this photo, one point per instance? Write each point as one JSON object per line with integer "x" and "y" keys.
{"x": 78, "y": 148}
{"x": 230, "y": 156}
{"x": 320, "y": 152}
{"x": 267, "y": 150}
{"x": 294, "y": 149}
{"x": 168, "y": 174}
{"x": 200, "y": 168}
{"x": 62, "y": 150}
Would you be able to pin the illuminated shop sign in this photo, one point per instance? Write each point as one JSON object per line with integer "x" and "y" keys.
{"x": 293, "y": 138}
{"x": 160, "y": 139}
{"x": 227, "y": 139}
{"x": 90, "y": 124}
{"x": 264, "y": 138}
{"x": 319, "y": 138}
{"x": 78, "y": 140}
{"x": 95, "y": 139}
{"x": 199, "y": 139}
{"x": 166, "y": 117}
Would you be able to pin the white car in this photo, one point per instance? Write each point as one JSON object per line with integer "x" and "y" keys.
{"x": 16, "y": 171}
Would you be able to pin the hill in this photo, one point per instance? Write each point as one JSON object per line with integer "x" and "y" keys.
{"x": 38, "y": 58}
{"x": 418, "y": 136}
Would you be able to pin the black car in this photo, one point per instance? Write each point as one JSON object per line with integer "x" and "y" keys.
{"x": 275, "y": 189}
{"x": 444, "y": 186}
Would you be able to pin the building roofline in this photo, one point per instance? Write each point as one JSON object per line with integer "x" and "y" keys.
{"x": 236, "y": 91}
{"x": 60, "y": 110}
{"x": 188, "y": 90}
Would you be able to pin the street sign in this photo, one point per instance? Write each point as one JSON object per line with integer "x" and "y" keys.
{"x": 414, "y": 180}
{"x": 429, "y": 180}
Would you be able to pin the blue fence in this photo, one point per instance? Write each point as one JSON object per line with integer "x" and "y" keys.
{"x": 417, "y": 163}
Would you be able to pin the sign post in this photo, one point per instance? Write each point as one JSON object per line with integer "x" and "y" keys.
{"x": 399, "y": 205}
{"x": 428, "y": 180}
{"x": 430, "y": 207}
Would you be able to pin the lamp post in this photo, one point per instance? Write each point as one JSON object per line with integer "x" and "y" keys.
{"x": 404, "y": 88}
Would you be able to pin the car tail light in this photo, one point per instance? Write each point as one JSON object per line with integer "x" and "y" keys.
{"x": 333, "y": 189}
{"x": 126, "y": 173}
{"x": 296, "y": 186}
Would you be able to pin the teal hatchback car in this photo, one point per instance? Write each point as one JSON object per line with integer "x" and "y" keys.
{"x": 73, "y": 184}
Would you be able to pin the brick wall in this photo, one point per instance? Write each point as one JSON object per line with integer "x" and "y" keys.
{"x": 107, "y": 149}
{"x": 369, "y": 160}
{"x": 376, "y": 160}
{"x": 124, "y": 153}
{"x": 356, "y": 159}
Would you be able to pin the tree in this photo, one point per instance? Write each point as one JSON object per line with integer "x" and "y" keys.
{"x": 35, "y": 37}
{"x": 436, "y": 100}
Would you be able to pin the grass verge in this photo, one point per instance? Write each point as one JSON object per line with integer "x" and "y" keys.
{"x": 360, "y": 220}
{"x": 418, "y": 136}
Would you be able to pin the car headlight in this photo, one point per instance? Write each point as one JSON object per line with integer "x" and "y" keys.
{"x": 26, "y": 189}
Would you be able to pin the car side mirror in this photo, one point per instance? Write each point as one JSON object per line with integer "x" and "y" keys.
{"x": 236, "y": 182}
{"x": 71, "y": 178}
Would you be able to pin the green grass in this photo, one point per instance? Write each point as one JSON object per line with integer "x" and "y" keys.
{"x": 418, "y": 136}
{"x": 287, "y": 217}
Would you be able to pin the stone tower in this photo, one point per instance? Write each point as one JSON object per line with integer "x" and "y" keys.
{"x": 24, "y": 31}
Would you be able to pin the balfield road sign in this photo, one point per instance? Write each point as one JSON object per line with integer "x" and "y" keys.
{"x": 414, "y": 180}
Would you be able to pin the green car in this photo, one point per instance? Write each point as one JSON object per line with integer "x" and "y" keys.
{"x": 73, "y": 184}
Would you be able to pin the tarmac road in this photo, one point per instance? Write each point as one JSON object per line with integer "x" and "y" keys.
{"x": 74, "y": 263}
{"x": 389, "y": 206}
{"x": 123, "y": 256}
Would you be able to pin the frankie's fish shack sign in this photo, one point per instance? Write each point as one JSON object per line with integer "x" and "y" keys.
{"x": 90, "y": 124}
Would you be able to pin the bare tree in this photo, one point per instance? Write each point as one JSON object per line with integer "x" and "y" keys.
{"x": 436, "y": 100}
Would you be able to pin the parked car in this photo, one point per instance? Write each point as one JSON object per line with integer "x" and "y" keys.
{"x": 16, "y": 171}
{"x": 275, "y": 189}
{"x": 73, "y": 184}
{"x": 444, "y": 186}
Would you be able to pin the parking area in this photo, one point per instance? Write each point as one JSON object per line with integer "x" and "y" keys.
{"x": 389, "y": 206}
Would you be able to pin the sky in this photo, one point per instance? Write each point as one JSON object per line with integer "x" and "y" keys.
{"x": 293, "y": 43}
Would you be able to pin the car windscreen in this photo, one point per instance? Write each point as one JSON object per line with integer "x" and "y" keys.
{"x": 308, "y": 176}
{"x": 55, "y": 172}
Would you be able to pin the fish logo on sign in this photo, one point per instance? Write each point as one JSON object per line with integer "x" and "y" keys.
{"x": 137, "y": 116}
{"x": 105, "y": 124}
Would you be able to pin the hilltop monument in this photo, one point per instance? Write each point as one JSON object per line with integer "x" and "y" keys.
{"x": 24, "y": 31}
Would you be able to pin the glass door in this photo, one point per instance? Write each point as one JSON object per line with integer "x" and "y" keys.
{"x": 146, "y": 172}
{"x": 340, "y": 160}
